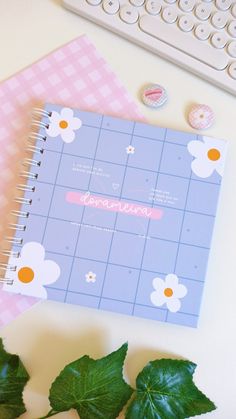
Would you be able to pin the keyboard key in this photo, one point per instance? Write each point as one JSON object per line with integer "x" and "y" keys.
{"x": 169, "y": 15}
{"x": 137, "y": 3}
{"x": 232, "y": 28}
{"x": 189, "y": 42}
{"x": 203, "y": 31}
{"x": 94, "y": 2}
{"x": 219, "y": 20}
{"x": 186, "y": 23}
{"x": 186, "y": 5}
{"x": 232, "y": 70}
{"x": 234, "y": 10}
{"x": 203, "y": 11}
{"x": 129, "y": 14}
{"x": 111, "y": 6}
{"x": 218, "y": 40}
{"x": 153, "y": 7}
{"x": 223, "y": 4}
{"x": 166, "y": 33}
{"x": 232, "y": 49}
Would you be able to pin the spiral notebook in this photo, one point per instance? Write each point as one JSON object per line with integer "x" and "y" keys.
{"x": 75, "y": 73}
{"x": 115, "y": 215}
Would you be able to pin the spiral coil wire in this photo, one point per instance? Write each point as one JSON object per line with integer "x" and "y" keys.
{"x": 27, "y": 175}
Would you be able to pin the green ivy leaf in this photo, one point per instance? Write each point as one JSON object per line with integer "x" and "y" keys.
{"x": 95, "y": 389}
{"x": 13, "y": 378}
{"x": 165, "y": 390}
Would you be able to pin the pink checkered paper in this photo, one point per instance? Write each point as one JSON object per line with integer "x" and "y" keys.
{"x": 74, "y": 75}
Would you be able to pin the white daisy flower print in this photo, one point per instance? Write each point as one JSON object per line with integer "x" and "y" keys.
{"x": 168, "y": 291}
{"x": 33, "y": 271}
{"x": 90, "y": 276}
{"x": 209, "y": 156}
{"x": 130, "y": 149}
{"x": 64, "y": 124}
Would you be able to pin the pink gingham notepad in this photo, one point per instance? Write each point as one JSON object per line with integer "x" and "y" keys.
{"x": 75, "y": 75}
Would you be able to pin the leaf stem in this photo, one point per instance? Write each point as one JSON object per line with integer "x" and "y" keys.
{"x": 51, "y": 413}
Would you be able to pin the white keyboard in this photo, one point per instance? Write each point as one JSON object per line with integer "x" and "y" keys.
{"x": 197, "y": 35}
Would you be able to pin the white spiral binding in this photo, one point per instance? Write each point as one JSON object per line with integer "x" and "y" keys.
{"x": 41, "y": 112}
{"x": 36, "y": 136}
{"x": 34, "y": 149}
{"x": 25, "y": 188}
{"x": 28, "y": 175}
{"x": 23, "y": 201}
{"x": 39, "y": 124}
{"x": 31, "y": 162}
{"x": 10, "y": 253}
{"x": 14, "y": 240}
{"x": 22, "y": 214}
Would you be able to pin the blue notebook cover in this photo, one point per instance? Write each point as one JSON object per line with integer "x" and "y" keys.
{"x": 118, "y": 216}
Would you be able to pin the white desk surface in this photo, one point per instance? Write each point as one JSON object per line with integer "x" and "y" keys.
{"x": 52, "y": 334}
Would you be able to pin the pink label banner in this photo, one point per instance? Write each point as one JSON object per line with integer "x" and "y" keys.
{"x": 114, "y": 205}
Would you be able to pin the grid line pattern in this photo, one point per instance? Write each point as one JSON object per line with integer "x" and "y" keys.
{"x": 77, "y": 240}
{"x": 157, "y": 175}
{"x": 54, "y": 187}
{"x": 136, "y": 167}
{"x": 121, "y": 231}
{"x": 180, "y": 234}
{"x": 125, "y": 252}
{"x": 114, "y": 226}
{"x": 113, "y": 299}
{"x": 18, "y": 247}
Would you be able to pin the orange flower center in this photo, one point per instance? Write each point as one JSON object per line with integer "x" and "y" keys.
{"x": 168, "y": 292}
{"x": 26, "y": 275}
{"x": 213, "y": 154}
{"x": 63, "y": 124}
